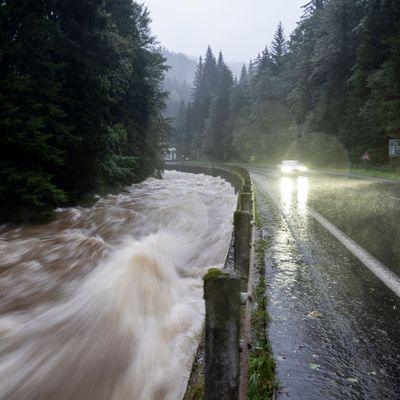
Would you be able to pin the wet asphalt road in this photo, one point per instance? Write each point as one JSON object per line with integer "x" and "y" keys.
{"x": 335, "y": 329}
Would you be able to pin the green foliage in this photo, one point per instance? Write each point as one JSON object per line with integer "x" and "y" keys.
{"x": 278, "y": 48}
{"x": 80, "y": 102}
{"x": 319, "y": 150}
{"x": 373, "y": 90}
{"x": 342, "y": 58}
{"x": 261, "y": 120}
{"x": 262, "y": 376}
{"x": 214, "y": 273}
{"x": 118, "y": 166}
{"x": 196, "y": 392}
{"x": 27, "y": 194}
{"x": 265, "y": 133}
{"x": 31, "y": 117}
{"x": 208, "y": 130}
{"x": 328, "y": 94}
{"x": 217, "y": 130}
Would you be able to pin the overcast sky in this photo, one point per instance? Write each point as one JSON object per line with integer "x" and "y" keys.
{"x": 240, "y": 28}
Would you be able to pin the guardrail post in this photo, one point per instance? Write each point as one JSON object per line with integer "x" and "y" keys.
{"x": 246, "y": 188}
{"x": 242, "y": 233}
{"x": 245, "y": 201}
{"x": 222, "y": 298}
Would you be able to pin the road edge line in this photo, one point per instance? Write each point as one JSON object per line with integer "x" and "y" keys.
{"x": 389, "y": 278}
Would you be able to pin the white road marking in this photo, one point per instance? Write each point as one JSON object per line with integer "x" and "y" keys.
{"x": 390, "y": 279}
{"x": 394, "y": 198}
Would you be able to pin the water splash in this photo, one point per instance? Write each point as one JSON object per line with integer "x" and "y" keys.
{"x": 126, "y": 323}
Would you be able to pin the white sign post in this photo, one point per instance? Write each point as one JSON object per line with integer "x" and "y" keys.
{"x": 394, "y": 148}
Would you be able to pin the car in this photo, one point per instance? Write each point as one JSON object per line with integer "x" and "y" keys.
{"x": 290, "y": 166}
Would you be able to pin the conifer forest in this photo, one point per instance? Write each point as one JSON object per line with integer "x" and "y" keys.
{"x": 80, "y": 102}
{"x": 331, "y": 90}
{"x": 82, "y": 97}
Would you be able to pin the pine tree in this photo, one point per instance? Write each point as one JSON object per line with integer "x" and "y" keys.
{"x": 205, "y": 86}
{"x": 180, "y": 129}
{"x": 209, "y": 72}
{"x": 372, "y": 115}
{"x": 278, "y": 48}
{"x": 32, "y": 121}
{"x": 243, "y": 79}
{"x": 218, "y": 135}
{"x": 251, "y": 70}
{"x": 139, "y": 104}
{"x": 196, "y": 110}
{"x": 189, "y": 130}
{"x": 264, "y": 63}
{"x": 80, "y": 104}
{"x": 312, "y": 7}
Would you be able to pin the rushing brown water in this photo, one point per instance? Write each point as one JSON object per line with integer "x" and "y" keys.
{"x": 106, "y": 302}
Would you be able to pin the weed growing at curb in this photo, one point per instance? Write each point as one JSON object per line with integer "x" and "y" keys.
{"x": 262, "y": 375}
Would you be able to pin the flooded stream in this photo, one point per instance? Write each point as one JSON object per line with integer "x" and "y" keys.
{"x": 106, "y": 302}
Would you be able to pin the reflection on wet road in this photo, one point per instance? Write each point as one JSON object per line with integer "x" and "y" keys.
{"x": 335, "y": 325}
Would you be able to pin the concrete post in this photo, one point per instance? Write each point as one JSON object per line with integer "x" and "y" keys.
{"x": 246, "y": 188}
{"x": 242, "y": 232}
{"x": 245, "y": 201}
{"x": 222, "y": 297}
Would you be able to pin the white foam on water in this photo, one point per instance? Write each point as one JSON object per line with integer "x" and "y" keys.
{"x": 128, "y": 327}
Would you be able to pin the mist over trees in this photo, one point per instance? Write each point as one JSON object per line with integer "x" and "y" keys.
{"x": 182, "y": 67}
{"x": 80, "y": 103}
{"x": 326, "y": 94}
{"x": 178, "y": 81}
{"x": 82, "y": 96}
{"x": 203, "y": 126}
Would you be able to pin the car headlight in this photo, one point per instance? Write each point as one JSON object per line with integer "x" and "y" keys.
{"x": 286, "y": 169}
{"x": 302, "y": 168}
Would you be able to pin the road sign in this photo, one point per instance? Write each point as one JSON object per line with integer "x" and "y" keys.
{"x": 394, "y": 148}
{"x": 366, "y": 156}
{"x": 253, "y": 158}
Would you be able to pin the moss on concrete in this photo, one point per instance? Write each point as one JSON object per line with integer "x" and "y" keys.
{"x": 215, "y": 273}
{"x": 262, "y": 375}
{"x": 257, "y": 217}
{"x": 238, "y": 216}
{"x": 195, "y": 388}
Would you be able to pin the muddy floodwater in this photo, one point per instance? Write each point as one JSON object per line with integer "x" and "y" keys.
{"x": 106, "y": 302}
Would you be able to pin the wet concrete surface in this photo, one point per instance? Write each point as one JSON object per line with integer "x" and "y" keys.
{"x": 335, "y": 326}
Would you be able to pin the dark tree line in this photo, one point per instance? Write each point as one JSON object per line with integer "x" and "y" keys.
{"x": 328, "y": 93}
{"x": 203, "y": 127}
{"x": 80, "y": 102}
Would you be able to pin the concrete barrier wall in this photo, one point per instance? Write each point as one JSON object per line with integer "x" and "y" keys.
{"x": 236, "y": 176}
{"x": 222, "y": 289}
